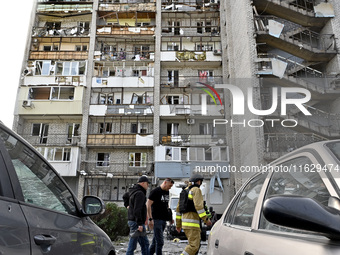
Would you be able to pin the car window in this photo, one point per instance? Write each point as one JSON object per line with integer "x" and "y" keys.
{"x": 299, "y": 181}
{"x": 335, "y": 149}
{"x": 242, "y": 211}
{"x": 39, "y": 184}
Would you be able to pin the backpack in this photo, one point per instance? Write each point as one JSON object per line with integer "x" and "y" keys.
{"x": 186, "y": 204}
{"x": 126, "y": 199}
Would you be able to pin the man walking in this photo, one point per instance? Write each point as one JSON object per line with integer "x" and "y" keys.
{"x": 157, "y": 207}
{"x": 190, "y": 220}
{"x": 137, "y": 216}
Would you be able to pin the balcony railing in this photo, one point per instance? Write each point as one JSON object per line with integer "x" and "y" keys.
{"x": 308, "y": 77}
{"x": 66, "y": 8}
{"x": 123, "y": 30}
{"x": 298, "y": 34}
{"x": 278, "y": 144}
{"x": 127, "y": 6}
{"x": 52, "y": 139}
{"x": 130, "y": 110}
{"x": 188, "y": 81}
{"x": 192, "y": 139}
{"x": 124, "y": 55}
{"x": 93, "y": 168}
{"x": 187, "y": 5}
{"x": 126, "y": 1}
{"x": 65, "y": 55}
{"x": 111, "y": 140}
{"x": 61, "y": 32}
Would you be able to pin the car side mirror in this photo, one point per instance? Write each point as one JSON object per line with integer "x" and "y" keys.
{"x": 92, "y": 205}
{"x": 304, "y": 214}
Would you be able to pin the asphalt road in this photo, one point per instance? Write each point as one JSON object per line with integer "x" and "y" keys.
{"x": 170, "y": 246}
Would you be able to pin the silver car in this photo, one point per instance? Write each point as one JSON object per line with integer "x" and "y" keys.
{"x": 291, "y": 207}
{"x": 39, "y": 213}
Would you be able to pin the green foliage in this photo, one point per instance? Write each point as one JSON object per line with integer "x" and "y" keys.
{"x": 113, "y": 221}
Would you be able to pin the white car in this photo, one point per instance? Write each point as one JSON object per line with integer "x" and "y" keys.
{"x": 291, "y": 208}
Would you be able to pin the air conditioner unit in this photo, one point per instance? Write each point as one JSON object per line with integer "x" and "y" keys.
{"x": 27, "y": 103}
{"x": 217, "y": 52}
{"x": 190, "y": 121}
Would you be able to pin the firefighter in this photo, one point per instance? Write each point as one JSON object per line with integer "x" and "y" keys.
{"x": 190, "y": 221}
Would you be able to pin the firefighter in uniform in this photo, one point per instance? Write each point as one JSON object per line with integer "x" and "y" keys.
{"x": 191, "y": 221}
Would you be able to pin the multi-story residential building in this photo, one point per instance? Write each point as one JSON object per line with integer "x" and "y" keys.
{"x": 113, "y": 89}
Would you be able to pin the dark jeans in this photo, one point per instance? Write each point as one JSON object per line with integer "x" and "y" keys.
{"x": 142, "y": 240}
{"x": 158, "y": 239}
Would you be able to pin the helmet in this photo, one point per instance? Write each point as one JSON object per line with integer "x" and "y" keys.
{"x": 196, "y": 177}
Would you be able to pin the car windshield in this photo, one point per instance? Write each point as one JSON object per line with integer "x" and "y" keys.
{"x": 173, "y": 203}
{"x": 335, "y": 149}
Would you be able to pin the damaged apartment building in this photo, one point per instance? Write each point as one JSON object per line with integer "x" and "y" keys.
{"x": 114, "y": 89}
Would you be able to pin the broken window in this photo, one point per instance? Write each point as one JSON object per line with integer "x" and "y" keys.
{"x": 106, "y": 98}
{"x": 137, "y": 159}
{"x": 73, "y": 133}
{"x": 40, "y": 130}
{"x": 103, "y": 159}
{"x": 70, "y": 68}
{"x": 206, "y": 129}
{"x": 173, "y": 78}
{"x": 105, "y": 128}
{"x": 42, "y": 67}
{"x": 60, "y": 93}
{"x": 172, "y": 99}
{"x": 172, "y": 129}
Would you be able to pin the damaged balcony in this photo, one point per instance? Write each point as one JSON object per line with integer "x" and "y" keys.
{"x": 126, "y": 24}
{"x": 179, "y": 162}
{"x": 190, "y": 5}
{"x": 291, "y": 74}
{"x": 121, "y": 101}
{"x": 308, "y": 13}
{"x": 294, "y": 39}
{"x": 115, "y": 75}
{"x": 127, "y": 5}
{"x": 66, "y": 48}
{"x": 121, "y": 131}
{"x": 107, "y": 168}
{"x": 174, "y": 80}
{"x": 64, "y": 9}
{"x": 55, "y": 73}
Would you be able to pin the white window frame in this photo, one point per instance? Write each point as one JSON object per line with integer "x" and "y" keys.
{"x": 132, "y": 159}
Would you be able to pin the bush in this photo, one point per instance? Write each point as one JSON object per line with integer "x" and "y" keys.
{"x": 113, "y": 221}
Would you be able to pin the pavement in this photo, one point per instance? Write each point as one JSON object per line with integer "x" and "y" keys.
{"x": 170, "y": 246}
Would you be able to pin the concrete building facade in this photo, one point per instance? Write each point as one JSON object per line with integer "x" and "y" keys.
{"x": 114, "y": 89}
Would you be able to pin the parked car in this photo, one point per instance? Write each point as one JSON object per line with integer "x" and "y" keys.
{"x": 291, "y": 208}
{"x": 40, "y": 214}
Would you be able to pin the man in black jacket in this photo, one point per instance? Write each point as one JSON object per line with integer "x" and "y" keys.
{"x": 137, "y": 216}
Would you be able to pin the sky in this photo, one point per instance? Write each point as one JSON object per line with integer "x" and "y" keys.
{"x": 14, "y": 29}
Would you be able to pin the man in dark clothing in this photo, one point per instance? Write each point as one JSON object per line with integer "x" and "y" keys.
{"x": 137, "y": 216}
{"x": 157, "y": 206}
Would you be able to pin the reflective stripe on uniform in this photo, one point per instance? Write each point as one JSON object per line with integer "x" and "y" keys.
{"x": 185, "y": 253}
{"x": 202, "y": 214}
{"x": 178, "y": 213}
{"x": 200, "y": 211}
{"x": 188, "y": 224}
{"x": 178, "y": 217}
{"x": 191, "y": 221}
{"x": 190, "y": 195}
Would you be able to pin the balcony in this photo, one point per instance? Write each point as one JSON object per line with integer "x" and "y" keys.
{"x": 123, "y": 169}
{"x": 60, "y": 32}
{"x": 127, "y": 5}
{"x": 65, "y": 8}
{"x": 61, "y": 140}
{"x": 187, "y": 5}
{"x": 291, "y": 73}
{"x": 189, "y": 81}
{"x": 192, "y": 140}
{"x": 124, "y": 55}
{"x": 58, "y": 80}
{"x": 125, "y": 31}
{"x": 125, "y": 140}
{"x": 56, "y": 55}
{"x": 190, "y": 56}
{"x": 308, "y": 13}
{"x": 191, "y": 110}
{"x": 119, "y": 82}
{"x": 125, "y": 110}
{"x": 294, "y": 39}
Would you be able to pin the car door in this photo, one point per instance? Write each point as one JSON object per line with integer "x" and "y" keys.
{"x": 51, "y": 211}
{"x": 14, "y": 236}
{"x": 228, "y": 236}
{"x": 294, "y": 176}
